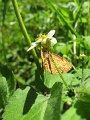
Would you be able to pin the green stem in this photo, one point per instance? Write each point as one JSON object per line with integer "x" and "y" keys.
{"x": 82, "y": 69}
{"x": 24, "y": 31}
{"x": 59, "y": 72}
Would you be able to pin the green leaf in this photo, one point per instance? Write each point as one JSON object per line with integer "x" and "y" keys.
{"x": 85, "y": 88}
{"x": 46, "y": 107}
{"x": 81, "y": 108}
{"x": 65, "y": 11}
{"x": 39, "y": 77}
{"x": 15, "y": 108}
{"x": 7, "y": 73}
{"x": 87, "y": 42}
{"x": 4, "y": 93}
{"x": 51, "y": 79}
{"x": 61, "y": 17}
{"x": 53, "y": 106}
{"x": 84, "y": 20}
{"x": 7, "y": 85}
{"x": 71, "y": 114}
{"x": 78, "y": 73}
{"x": 84, "y": 100}
{"x": 62, "y": 48}
{"x": 27, "y": 105}
{"x": 38, "y": 109}
{"x": 80, "y": 111}
{"x": 59, "y": 47}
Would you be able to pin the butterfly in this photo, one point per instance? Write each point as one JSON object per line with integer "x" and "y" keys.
{"x": 62, "y": 64}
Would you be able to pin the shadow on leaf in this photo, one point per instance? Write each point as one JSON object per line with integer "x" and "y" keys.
{"x": 83, "y": 109}
{"x": 30, "y": 99}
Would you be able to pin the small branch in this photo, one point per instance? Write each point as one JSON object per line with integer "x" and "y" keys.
{"x": 59, "y": 71}
{"x": 83, "y": 58}
{"x": 24, "y": 31}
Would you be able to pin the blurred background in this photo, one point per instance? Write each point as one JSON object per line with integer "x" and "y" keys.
{"x": 39, "y": 17}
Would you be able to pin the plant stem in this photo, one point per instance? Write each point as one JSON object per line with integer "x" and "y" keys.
{"x": 59, "y": 72}
{"x": 24, "y": 31}
{"x": 82, "y": 69}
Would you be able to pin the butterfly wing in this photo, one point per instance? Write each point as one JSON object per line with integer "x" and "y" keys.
{"x": 45, "y": 60}
{"x": 47, "y": 63}
{"x": 62, "y": 64}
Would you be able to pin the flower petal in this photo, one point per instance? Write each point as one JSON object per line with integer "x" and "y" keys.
{"x": 39, "y": 40}
{"x": 33, "y": 45}
{"x": 50, "y": 34}
{"x": 53, "y": 41}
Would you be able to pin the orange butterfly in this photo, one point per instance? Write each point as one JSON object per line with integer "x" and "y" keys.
{"x": 62, "y": 64}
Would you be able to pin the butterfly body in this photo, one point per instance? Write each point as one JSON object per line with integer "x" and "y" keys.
{"x": 62, "y": 64}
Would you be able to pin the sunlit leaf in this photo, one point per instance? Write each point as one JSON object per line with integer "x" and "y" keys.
{"x": 27, "y": 105}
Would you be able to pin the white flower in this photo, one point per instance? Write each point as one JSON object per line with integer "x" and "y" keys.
{"x": 50, "y": 36}
{"x": 45, "y": 40}
{"x": 34, "y": 44}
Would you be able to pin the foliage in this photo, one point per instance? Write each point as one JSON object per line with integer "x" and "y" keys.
{"x": 28, "y": 93}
